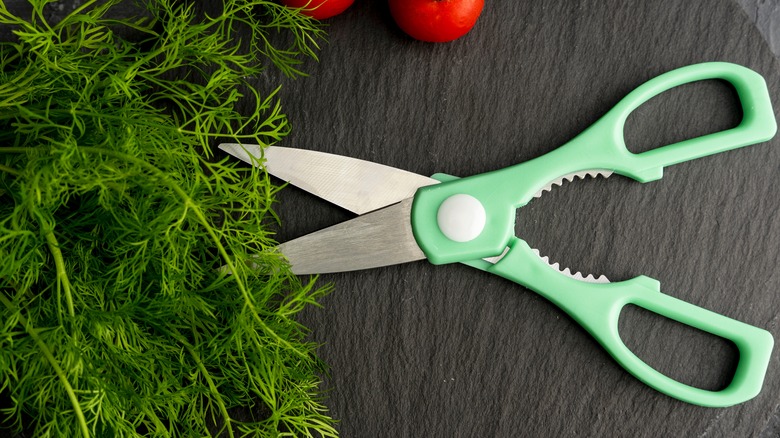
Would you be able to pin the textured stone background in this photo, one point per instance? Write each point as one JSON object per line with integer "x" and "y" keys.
{"x": 765, "y": 14}
{"x": 421, "y": 350}
{"x": 418, "y": 350}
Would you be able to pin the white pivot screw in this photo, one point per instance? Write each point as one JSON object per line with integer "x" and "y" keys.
{"x": 461, "y": 218}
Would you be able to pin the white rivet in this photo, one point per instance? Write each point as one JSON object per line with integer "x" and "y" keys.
{"x": 461, "y": 217}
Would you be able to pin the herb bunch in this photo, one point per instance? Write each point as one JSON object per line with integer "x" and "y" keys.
{"x": 115, "y": 218}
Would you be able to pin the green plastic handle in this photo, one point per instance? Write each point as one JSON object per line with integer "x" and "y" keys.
{"x": 597, "y": 308}
{"x": 602, "y": 146}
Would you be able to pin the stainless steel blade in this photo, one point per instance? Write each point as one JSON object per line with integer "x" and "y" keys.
{"x": 380, "y": 238}
{"x": 357, "y": 185}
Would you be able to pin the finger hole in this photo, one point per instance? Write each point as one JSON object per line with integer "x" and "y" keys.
{"x": 681, "y": 352}
{"x": 681, "y": 113}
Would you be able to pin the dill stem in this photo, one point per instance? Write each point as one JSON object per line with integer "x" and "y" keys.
{"x": 53, "y": 362}
{"x": 206, "y": 375}
{"x": 15, "y": 149}
{"x": 212, "y": 387}
{"x": 62, "y": 276}
{"x": 84, "y": 6}
{"x": 122, "y": 118}
{"x": 9, "y": 170}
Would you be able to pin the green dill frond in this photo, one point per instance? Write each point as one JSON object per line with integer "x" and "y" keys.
{"x": 115, "y": 218}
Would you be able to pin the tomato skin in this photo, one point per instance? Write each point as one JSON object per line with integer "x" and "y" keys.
{"x": 436, "y": 21}
{"x": 319, "y": 9}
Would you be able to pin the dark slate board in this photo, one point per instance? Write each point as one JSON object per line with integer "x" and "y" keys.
{"x": 423, "y": 350}
{"x": 766, "y": 16}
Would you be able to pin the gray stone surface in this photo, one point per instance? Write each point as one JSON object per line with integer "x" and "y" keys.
{"x": 765, "y": 14}
{"x": 423, "y": 350}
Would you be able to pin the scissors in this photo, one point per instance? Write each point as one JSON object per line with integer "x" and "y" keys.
{"x": 403, "y": 217}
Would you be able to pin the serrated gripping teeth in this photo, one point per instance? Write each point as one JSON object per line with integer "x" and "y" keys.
{"x": 590, "y": 278}
{"x": 571, "y": 177}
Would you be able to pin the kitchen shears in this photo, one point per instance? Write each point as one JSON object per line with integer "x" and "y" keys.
{"x": 405, "y": 217}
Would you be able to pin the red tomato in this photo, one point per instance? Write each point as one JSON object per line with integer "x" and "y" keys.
{"x": 436, "y": 21}
{"x": 319, "y": 9}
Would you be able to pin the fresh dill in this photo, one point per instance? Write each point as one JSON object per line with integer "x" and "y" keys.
{"x": 115, "y": 218}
